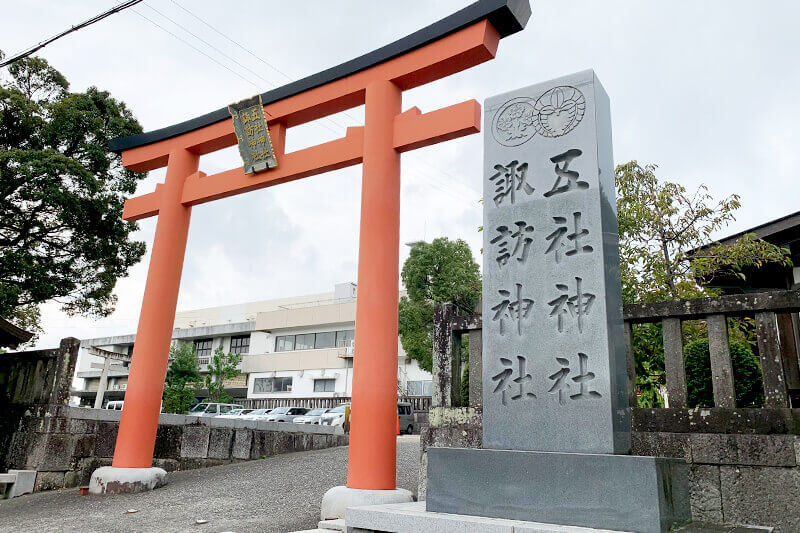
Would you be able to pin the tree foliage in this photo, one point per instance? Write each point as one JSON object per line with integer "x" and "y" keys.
{"x": 183, "y": 375}
{"x": 61, "y": 195}
{"x": 667, "y": 249}
{"x": 222, "y": 367}
{"x": 747, "y": 381}
{"x": 434, "y": 273}
{"x": 666, "y": 242}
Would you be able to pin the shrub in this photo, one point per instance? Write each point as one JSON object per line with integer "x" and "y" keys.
{"x": 746, "y": 375}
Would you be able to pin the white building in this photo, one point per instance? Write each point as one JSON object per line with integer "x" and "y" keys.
{"x": 291, "y": 348}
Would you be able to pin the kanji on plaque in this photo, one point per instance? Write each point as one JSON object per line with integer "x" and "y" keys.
{"x": 252, "y": 132}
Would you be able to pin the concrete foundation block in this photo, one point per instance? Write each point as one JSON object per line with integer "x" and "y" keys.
{"x": 49, "y": 481}
{"x": 706, "y": 496}
{"x": 24, "y": 484}
{"x": 194, "y": 443}
{"x": 168, "y": 442}
{"x": 338, "y": 499}
{"x": 619, "y": 492}
{"x": 220, "y": 442}
{"x": 759, "y": 495}
{"x": 755, "y": 450}
{"x": 111, "y": 480}
{"x": 242, "y": 441}
{"x": 106, "y": 438}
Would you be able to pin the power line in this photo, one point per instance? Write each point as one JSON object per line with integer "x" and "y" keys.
{"x": 270, "y": 65}
{"x": 97, "y": 18}
{"x": 220, "y": 52}
{"x": 187, "y": 43}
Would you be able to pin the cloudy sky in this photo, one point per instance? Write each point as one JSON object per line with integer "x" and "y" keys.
{"x": 703, "y": 89}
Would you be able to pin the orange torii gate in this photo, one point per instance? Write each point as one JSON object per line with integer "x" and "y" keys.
{"x": 377, "y": 80}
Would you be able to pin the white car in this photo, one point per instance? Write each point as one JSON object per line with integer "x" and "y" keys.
{"x": 256, "y": 414}
{"x": 236, "y": 413}
{"x": 334, "y": 417}
{"x": 311, "y": 417}
{"x": 286, "y": 414}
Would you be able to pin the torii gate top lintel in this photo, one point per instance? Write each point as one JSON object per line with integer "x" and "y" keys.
{"x": 377, "y": 80}
{"x": 506, "y": 17}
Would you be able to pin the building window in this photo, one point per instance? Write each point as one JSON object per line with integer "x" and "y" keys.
{"x": 324, "y": 385}
{"x": 325, "y": 340}
{"x": 419, "y": 388}
{"x": 345, "y": 338}
{"x": 240, "y": 344}
{"x": 203, "y": 347}
{"x": 304, "y": 342}
{"x": 284, "y": 343}
{"x": 263, "y": 385}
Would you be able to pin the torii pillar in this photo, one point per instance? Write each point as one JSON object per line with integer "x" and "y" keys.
{"x": 462, "y": 40}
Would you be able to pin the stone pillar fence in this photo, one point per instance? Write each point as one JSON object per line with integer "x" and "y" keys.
{"x": 744, "y": 461}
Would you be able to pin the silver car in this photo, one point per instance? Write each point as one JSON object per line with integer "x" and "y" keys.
{"x": 311, "y": 417}
{"x": 213, "y": 409}
{"x": 334, "y": 417}
{"x": 257, "y": 414}
{"x": 285, "y": 414}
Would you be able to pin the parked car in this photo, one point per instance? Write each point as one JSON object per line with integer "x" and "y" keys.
{"x": 213, "y": 409}
{"x": 311, "y": 417}
{"x": 236, "y": 413}
{"x": 257, "y": 414}
{"x": 405, "y": 416}
{"x": 334, "y": 417}
{"x": 115, "y": 405}
{"x": 285, "y": 414}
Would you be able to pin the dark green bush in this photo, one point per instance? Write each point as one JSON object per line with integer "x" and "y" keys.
{"x": 746, "y": 375}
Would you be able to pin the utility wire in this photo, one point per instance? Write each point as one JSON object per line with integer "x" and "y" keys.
{"x": 187, "y": 43}
{"x": 220, "y": 52}
{"x": 21, "y": 55}
{"x": 270, "y": 65}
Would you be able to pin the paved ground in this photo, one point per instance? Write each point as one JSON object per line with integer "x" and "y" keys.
{"x": 277, "y": 494}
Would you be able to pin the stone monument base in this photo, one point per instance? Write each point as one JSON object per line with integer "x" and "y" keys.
{"x": 413, "y": 518}
{"x": 112, "y": 480}
{"x": 616, "y": 492}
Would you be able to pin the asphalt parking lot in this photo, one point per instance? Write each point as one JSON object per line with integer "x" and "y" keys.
{"x": 276, "y": 494}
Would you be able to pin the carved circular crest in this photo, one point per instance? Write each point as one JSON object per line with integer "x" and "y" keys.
{"x": 513, "y": 124}
{"x": 557, "y": 112}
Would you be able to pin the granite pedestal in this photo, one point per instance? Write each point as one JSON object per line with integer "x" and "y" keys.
{"x": 618, "y": 492}
{"x": 413, "y": 518}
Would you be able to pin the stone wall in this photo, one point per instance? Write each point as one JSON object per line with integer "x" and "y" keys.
{"x": 744, "y": 463}
{"x": 67, "y": 444}
{"x": 31, "y": 383}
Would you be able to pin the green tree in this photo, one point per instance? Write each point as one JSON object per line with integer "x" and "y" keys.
{"x": 183, "y": 375}
{"x": 222, "y": 366}
{"x": 667, "y": 249}
{"x": 666, "y": 243}
{"x": 434, "y": 273}
{"x": 61, "y": 195}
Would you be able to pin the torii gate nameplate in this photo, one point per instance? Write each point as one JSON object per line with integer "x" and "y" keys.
{"x": 250, "y": 126}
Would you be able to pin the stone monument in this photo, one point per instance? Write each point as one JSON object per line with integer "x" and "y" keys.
{"x": 556, "y": 422}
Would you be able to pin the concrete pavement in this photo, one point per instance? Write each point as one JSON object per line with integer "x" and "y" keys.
{"x": 276, "y": 494}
